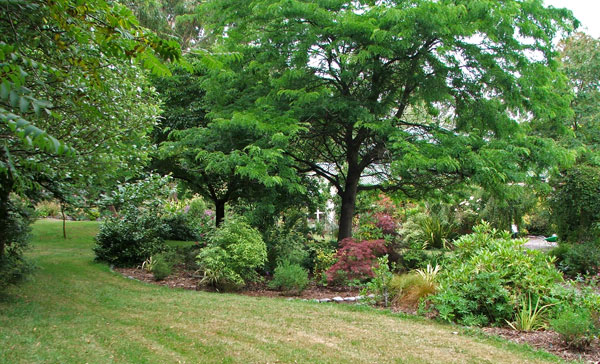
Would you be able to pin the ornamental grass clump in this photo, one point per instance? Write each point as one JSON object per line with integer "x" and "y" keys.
{"x": 429, "y": 274}
{"x": 409, "y": 289}
{"x": 530, "y": 317}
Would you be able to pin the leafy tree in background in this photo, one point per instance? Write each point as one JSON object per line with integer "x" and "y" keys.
{"x": 580, "y": 56}
{"x": 207, "y": 158}
{"x": 222, "y": 162}
{"x": 193, "y": 150}
{"x": 515, "y": 202}
{"x": 176, "y": 19}
{"x": 225, "y": 159}
{"x": 67, "y": 70}
{"x": 109, "y": 128}
{"x": 574, "y": 201}
{"x": 182, "y": 95}
{"x": 398, "y": 95}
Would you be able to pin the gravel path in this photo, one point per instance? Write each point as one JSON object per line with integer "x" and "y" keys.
{"x": 539, "y": 243}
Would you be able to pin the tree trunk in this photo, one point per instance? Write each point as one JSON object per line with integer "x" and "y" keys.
{"x": 348, "y": 205}
{"x": 3, "y": 227}
{"x": 5, "y": 188}
{"x": 220, "y": 212}
{"x": 64, "y": 220}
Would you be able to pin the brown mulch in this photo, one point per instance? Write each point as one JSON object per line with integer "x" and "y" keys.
{"x": 179, "y": 278}
{"x": 311, "y": 292}
{"x": 188, "y": 280}
{"x": 549, "y": 341}
{"x": 545, "y": 340}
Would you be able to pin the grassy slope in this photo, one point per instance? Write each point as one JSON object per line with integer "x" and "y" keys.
{"x": 77, "y": 311}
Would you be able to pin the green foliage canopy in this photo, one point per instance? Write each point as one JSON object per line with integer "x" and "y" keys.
{"x": 399, "y": 95}
{"x": 170, "y": 19}
{"x": 60, "y": 65}
{"x": 223, "y": 155}
{"x": 46, "y": 41}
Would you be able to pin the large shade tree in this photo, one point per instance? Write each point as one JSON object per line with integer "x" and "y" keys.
{"x": 401, "y": 95}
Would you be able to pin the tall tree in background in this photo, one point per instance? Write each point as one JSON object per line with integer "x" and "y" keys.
{"x": 400, "y": 95}
{"x": 174, "y": 19}
{"x": 580, "y": 56}
{"x": 208, "y": 155}
{"x": 573, "y": 198}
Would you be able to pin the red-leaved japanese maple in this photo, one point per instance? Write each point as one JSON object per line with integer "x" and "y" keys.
{"x": 356, "y": 259}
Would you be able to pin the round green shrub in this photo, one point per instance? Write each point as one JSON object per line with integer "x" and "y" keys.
{"x": 482, "y": 301}
{"x": 286, "y": 244}
{"x": 235, "y": 252}
{"x": 130, "y": 239}
{"x": 290, "y": 278}
{"x": 321, "y": 255}
{"x": 410, "y": 259}
{"x": 215, "y": 264}
{"x": 196, "y": 208}
{"x": 181, "y": 227}
{"x": 576, "y": 327}
{"x": 161, "y": 268}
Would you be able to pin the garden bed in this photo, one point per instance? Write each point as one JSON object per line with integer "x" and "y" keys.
{"x": 188, "y": 280}
{"x": 549, "y": 341}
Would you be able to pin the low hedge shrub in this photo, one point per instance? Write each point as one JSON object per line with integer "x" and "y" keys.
{"x": 576, "y": 327}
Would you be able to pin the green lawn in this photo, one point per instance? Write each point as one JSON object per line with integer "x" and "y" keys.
{"x": 78, "y": 311}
